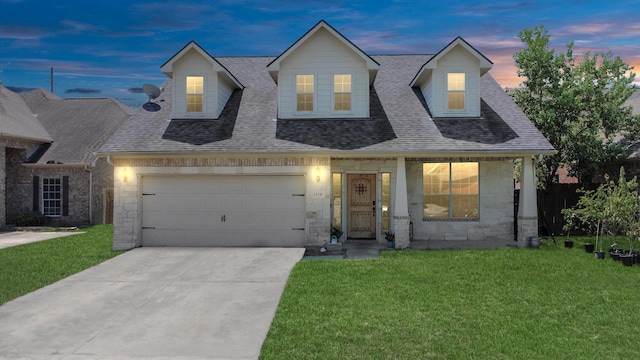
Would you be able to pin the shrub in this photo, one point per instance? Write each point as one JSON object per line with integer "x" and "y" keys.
{"x": 31, "y": 218}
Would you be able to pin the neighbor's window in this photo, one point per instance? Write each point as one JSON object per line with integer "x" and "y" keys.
{"x": 52, "y": 196}
{"x": 336, "y": 203}
{"x": 386, "y": 203}
{"x": 195, "y": 93}
{"x": 342, "y": 92}
{"x": 304, "y": 92}
{"x": 450, "y": 190}
{"x": 455, "y": 91}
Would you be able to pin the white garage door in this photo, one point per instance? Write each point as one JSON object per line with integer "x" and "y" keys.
{"x": 193, "y": 210}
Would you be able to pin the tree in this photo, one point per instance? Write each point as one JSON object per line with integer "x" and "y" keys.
{"x": 578, "y": 106}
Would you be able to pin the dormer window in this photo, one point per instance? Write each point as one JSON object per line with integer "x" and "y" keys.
{"x": 455, "y": 91}
{"x": 195, "y": 94}
{"x": 304, "y": 92}
{"x": 342, "y": 92}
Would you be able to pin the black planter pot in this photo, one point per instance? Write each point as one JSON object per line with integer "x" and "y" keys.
{"x": 615, "y": 255}
{"x": 627, "y": 259}
{"x": 568, "y": 244}
{"x": 589, "y": 247}
{"x": 599, "y": 254}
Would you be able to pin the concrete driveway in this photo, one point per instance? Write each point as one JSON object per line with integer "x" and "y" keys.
{"x": 174, "y": 303}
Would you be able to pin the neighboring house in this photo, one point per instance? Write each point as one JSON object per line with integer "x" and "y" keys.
{"x": 58, "y": 174}
{"x": 632, "y": 163}
{"x": 264, "y": 151}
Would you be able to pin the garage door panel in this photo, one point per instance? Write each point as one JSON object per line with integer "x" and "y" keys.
{"x": 192, "y": 210}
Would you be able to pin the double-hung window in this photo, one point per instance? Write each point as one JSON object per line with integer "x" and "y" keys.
{"x": 52, "y": 196}
{"x": 304, "y": 93}
{"x": 342, "y": 92}
{"x": 456, "y": 91}
{"x": 450, "y": 190}
{"x": 195, "y": 94}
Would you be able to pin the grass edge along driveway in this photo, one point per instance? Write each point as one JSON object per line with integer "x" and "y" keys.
{"x": 26, "y": 268}
{"x": 548, "y": 303}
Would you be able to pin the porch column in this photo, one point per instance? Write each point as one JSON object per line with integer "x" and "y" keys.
{"x": 401, "y": 218}
{"x": 3, "y": 186}
{"x": 528, "y": 205}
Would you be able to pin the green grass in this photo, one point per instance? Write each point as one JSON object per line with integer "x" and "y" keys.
{"x": 28, "y": 267}
{"x": 547, "y": 303}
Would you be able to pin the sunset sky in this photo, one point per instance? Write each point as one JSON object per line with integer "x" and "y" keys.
{"x": 110, "y": 48}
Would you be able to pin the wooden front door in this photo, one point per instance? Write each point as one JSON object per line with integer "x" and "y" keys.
{"x": 361, "y": 206}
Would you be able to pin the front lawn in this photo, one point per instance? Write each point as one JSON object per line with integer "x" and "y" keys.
{"x": 548, "y": 303}
{"x": 28, "y": 267}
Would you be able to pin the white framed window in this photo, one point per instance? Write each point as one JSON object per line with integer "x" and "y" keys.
{"x": 342, "y": 92}
{"x": 450, "y": 190}
{"x": 52, "y": 196}
{"x": 305, "y": 86}
{"x": 195, "y": 94}
{"x": 456, "y": 91}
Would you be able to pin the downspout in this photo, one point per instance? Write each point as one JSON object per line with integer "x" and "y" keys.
{"x": 88, "y": 168}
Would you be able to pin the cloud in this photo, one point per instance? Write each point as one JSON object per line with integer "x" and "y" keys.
{"x": 83, "y": 91}
{"x": 20, "y": 89}
{"x": 23, "y": 32}
{"x": 136, "y": 90}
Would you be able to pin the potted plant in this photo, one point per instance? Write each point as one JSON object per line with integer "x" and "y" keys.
{"x": 390, "y": 237}
{"x": 335, "y": 235}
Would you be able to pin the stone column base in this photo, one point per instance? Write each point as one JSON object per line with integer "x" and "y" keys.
{"x": 527, "y": 227}
{"x": 401, "y": 231}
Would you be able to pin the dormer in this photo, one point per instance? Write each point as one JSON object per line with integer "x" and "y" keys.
{"x": 450, "y": 80}
{"x": 201, "y": 85}
{"x": 323, "y": 75}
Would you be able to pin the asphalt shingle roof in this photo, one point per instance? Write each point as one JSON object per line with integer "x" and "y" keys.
{"x": 399, "y": 124}
{"x": 17, "y": 119}
{"x": 79, "y": 127}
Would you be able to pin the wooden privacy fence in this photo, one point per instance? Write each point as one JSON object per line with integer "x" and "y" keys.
{"x": 551, "y": 201}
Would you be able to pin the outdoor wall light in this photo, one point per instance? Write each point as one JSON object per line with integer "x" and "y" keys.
{"x": 318, "y": 174}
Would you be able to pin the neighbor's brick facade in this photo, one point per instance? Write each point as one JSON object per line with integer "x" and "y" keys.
{"x": 19, "y": 188}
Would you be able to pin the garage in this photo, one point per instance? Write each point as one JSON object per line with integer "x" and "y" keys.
{"x": 233, "y": 210}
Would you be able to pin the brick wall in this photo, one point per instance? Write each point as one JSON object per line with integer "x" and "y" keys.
{"x": 19, "y": 189}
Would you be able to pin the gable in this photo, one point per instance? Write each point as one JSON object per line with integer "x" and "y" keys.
{"x": 371, "y": 65}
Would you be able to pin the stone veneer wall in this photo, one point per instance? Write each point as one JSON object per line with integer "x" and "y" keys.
{"x": 496, "y": 204}
{"x": 127, "y": 214}
{"x": 19, "y": 190}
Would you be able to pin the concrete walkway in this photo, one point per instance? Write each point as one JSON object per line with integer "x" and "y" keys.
{"x": 170, "y": 303}
{"x": 14, "y": 238}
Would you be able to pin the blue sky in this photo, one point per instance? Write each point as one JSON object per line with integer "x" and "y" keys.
{"x": 110, "y": 48}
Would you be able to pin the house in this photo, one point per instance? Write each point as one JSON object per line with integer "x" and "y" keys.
{"x": 48, "y": 160}
{"x": 275, "y": 151}
{"x": 632, "y": 162}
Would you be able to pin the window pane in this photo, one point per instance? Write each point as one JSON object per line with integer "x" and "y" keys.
{"x": 450, "y": 190}
{"x": 305, "y": 102}
{"x": 436, "y": 206}
{"x": 304, "y": 83}
{"x": 195, "y": 84}
{"x": 455, "y": 81}
{"x": 386, "y": 204}
{"x": 464, "y": 206}
{"x": 337, "y": 200}
{"x": 464, "y": 178}
{"x": 51, "y": 197}
{"x": 435, "y": 178}
{"x": 342, "y": 83}
{"x": 342, "y": 102}
{"x": 194, "y": 103}
{"x": 456, "y": 101}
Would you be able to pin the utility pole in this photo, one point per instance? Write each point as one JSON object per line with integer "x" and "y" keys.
{"x": 51, "y": 80}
